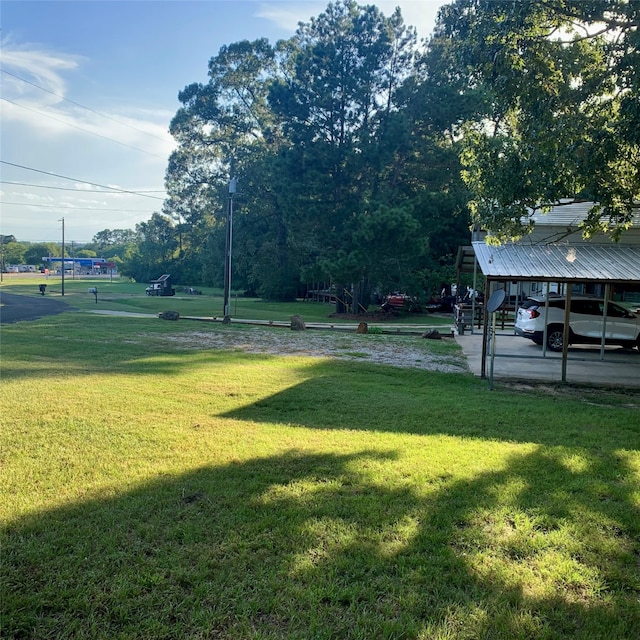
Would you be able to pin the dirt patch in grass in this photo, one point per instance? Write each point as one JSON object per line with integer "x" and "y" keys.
{"x": 399, "y": 351}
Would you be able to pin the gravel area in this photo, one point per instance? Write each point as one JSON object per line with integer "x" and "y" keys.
{"x": 400, "y": 351}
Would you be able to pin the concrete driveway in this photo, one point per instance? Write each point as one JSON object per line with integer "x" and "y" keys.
{"x": 519, "y": 358}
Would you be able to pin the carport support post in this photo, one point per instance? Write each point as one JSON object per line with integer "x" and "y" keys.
{"x": 605, "y": 311}
{"x": 565, "y": 335}
{"x": 473, "y": 298}
{"x": 493, "y": 349}
{"x": 546, "y": 318}
{"x": 489, "y": 289}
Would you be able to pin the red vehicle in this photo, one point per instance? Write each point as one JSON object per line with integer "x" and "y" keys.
{"x": 401, "y": 302}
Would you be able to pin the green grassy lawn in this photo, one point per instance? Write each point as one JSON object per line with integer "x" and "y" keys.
{"x": 153, "y": 491}
{"x": 121, "y": 295}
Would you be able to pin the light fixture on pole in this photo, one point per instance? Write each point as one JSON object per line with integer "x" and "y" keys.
{"x": 227, "y": 254}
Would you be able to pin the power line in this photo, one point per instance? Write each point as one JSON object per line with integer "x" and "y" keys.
{"x": 45, "y": 186}
{"x": 70, "y": 207}
{"x": 98, "y": 135}
{"x": 77, "y": 104}
{"x": 93, "y": 184}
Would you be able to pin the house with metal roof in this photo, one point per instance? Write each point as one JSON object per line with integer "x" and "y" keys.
{"x": 556, "y": 252}
{"x": 562, "y": 224}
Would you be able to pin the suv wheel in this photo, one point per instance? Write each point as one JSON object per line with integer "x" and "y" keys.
{"x": 555, "y": 337}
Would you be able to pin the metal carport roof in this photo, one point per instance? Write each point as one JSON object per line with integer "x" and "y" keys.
{"x": 559, "y": 262}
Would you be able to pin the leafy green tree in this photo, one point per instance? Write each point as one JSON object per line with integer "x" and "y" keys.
{"x": 115, "y": 245}
{"x": 86, "y": 253}
{"x": 338, "y": 103}
{"x": 111, "y": 237}
{"x": 35, "y": 252}
{"x": 14, "y": 252}
{"x": 559, "y": 83}
{"x": 225, "y": 128}
{"x": 342, "y": 177}
{"x": 156, "y": 250}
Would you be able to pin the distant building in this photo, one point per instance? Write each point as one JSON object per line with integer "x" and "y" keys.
{"x": 82, "y": 266}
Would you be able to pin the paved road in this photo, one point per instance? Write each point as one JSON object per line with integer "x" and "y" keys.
{"x": 16, "y": 308}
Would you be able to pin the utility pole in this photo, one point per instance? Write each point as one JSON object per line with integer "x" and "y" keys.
{"x": 227, "y": 254}
{"x": 62, "y": 256}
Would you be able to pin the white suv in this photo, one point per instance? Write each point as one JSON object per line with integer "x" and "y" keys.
{"x": 585, "y": 322}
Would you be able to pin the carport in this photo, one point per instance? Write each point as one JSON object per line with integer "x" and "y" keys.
{"x": 564, "y": 264}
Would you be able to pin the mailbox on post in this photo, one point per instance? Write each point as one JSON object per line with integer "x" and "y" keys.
{"x": 94, "y": 291}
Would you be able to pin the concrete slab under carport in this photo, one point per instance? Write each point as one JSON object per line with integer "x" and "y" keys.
{"x": 518, "y": 358}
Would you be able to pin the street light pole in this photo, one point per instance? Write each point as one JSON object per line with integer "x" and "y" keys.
{"x": 227, "y": 253}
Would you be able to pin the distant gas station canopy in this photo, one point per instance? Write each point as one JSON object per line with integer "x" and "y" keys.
{"x": 90, "y": 263}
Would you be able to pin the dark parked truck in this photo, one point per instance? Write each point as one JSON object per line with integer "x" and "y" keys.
{"x": 161, "y": 286}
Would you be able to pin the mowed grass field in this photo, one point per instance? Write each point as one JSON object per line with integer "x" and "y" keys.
{"x": 153, "y": 491}
{"x": 120, "y": 295}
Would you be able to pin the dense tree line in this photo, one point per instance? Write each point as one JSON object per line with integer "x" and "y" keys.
{"x": 343, "y": 177}
{"x": 363, "y": 158}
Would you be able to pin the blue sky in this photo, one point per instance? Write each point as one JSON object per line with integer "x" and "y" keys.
{"x": 88, "y": 90}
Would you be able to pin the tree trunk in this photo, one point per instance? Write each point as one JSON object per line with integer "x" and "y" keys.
{"x": 361, "y": 297}
{"x": 342, "y": 303}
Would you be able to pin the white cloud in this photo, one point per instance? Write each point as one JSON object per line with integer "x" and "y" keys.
{"x": 54, "y": 115}
{"x": 417, "y": 13}
{"x": 287, "y": 15}
{"x": 36, "y": 65}
{"x": 52, "y": 135}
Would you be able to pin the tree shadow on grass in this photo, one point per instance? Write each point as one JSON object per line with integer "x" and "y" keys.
{"x": 387, "y": 399}
{"x": 315, "y": 546}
